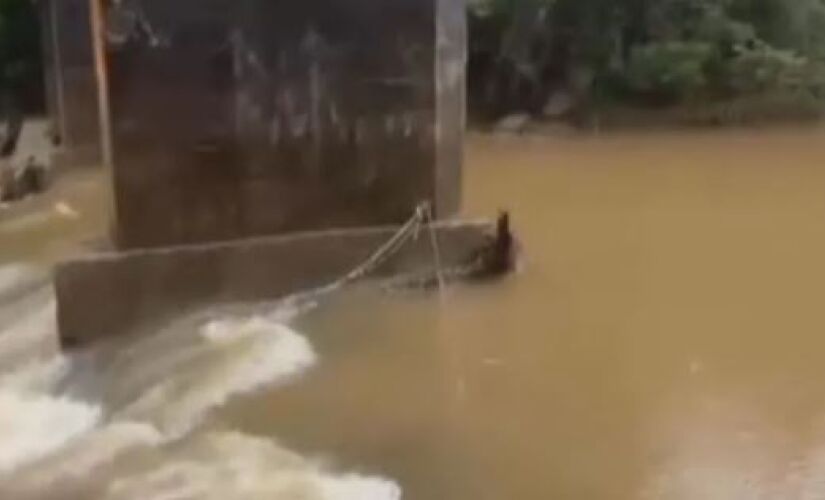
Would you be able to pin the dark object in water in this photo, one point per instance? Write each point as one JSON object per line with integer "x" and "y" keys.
{"x": 495, "y": 258}
{"x": 499, "y": 256}
{"x": 32, "y": 179}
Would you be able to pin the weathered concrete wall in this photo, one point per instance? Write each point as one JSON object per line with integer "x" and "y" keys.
{"x": 451, "y": 100}
{"x": 236, "y": 118}
{"x": 103, "y": 295}
{"x": 71, "y": 86}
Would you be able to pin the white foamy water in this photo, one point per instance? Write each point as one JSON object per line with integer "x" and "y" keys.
{"x": 12, "y": 275}
{"x": 28, "y": 335}
{"x": 36, "y": 375}
{"x": 33, "y": 422}
{"x": 239, "y": 356}
{"x": 31, "y": 426}
{"x": 83, "y": 463}
{"x": 232, "y": 465}
{"x": 56, "y": 446}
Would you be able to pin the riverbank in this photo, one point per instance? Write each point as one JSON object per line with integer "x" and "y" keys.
{"x": 763, "y": 112}
{"x": 729, "y": 115}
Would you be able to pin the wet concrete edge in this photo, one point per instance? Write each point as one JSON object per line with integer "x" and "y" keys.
{"x": 106, "y": 294}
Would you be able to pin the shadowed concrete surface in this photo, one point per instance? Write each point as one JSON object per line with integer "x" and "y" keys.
{"x": 103, "y": 294}
{"x": 234, "y": 121}
{"x": 242, "y": 118}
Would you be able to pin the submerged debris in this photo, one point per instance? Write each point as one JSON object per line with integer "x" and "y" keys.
{"x": 499, "y": 256}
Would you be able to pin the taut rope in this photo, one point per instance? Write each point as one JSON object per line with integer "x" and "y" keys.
{"x": 410, "y": 230}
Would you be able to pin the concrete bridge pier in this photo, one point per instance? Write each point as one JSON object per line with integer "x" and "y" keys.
{"x": 259, "y": 148}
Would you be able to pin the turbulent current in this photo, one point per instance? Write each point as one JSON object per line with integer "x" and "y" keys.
{"x": 665, "y": 341}
{"x": 125, "y": 421}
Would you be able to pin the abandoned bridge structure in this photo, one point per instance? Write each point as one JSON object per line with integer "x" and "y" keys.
{"x": 255, "y": 147}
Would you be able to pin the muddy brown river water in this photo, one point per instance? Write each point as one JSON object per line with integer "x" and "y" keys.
{"x": 664, "y": 340}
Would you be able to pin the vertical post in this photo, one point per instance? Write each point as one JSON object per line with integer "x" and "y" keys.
{"x": 450, "y": 82}
{"x": 98, "y": 27}
{"x": 99, "y": 47}
{"x": 57, "y": 71}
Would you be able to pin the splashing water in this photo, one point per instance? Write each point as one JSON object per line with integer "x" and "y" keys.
{"x": 243, "y": 355}
{"x": 31, "y": 426}
{"x": 54, "y": 444}
{"x": 231, "y": 465}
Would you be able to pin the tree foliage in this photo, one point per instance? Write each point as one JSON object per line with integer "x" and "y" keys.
{"x": 650, "y": 52}
{"x": 19, "y": 42}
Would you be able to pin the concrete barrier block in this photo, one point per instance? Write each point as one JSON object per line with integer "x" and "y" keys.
{"x": 107, "y": 294}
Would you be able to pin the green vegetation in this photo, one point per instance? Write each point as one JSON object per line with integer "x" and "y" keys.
{"x": 715, "y": 60}
{"x": 21, "y": 81}
{"x": 19, "y": 42}
{"x": 694, "y": 61}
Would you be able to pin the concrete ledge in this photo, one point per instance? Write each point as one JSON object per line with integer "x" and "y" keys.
{"x": 107, "y": 294}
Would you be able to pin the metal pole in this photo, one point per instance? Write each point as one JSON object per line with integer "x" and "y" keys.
{"x": 58, "y": 69}
{"x": 97, "y": 14}
{"x": 99, "y": 47}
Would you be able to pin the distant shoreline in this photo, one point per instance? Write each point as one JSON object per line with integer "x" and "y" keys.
{"x": 744, "y": 113}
